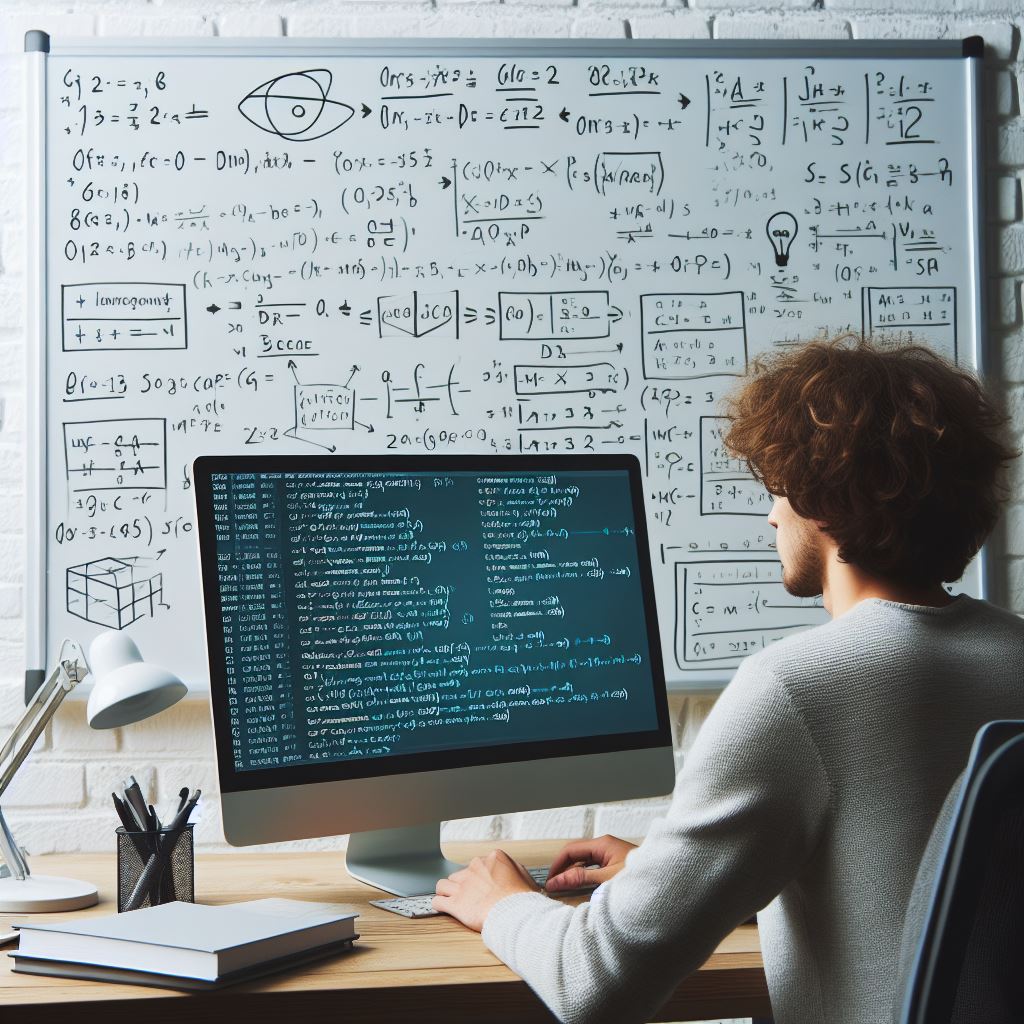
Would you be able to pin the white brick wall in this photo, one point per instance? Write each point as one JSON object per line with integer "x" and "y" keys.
{"x": 61, "y": 798}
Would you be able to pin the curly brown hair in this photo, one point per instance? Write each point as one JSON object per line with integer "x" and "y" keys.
{"x": 897, "y": 453}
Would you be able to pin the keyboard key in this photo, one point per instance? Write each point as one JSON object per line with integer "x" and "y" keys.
{"x": 419, "y": 906}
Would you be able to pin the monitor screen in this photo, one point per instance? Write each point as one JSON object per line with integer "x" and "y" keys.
{"x": 367, "y": 616}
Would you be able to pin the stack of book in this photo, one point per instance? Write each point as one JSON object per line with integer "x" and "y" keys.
{"x": 187, "y": 945}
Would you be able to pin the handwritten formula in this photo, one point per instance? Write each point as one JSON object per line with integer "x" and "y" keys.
{"x": 427, "y": 254}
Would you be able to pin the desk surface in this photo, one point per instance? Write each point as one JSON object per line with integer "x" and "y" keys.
{"x": 401, "y": 969}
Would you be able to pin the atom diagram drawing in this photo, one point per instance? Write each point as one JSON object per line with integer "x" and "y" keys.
{"x": 295, "y": 106}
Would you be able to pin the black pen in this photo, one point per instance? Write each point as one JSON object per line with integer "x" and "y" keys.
{"x": 137, "y": 802}
{"x": 130, "y": 826}
{"x": 184, "y": 812}
{"x": 157, "y": 860}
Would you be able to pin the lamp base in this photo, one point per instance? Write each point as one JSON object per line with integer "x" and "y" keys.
{"x": 45, "y": 894}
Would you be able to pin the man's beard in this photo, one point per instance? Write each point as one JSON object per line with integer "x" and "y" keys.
{"x": 804, "y": 574}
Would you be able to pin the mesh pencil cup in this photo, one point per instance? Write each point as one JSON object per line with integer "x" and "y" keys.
{"x": 151, "y": 871}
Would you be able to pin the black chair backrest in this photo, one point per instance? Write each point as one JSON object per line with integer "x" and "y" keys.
{"x": 968, "y": 964}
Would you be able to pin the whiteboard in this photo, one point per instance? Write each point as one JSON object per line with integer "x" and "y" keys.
{"x": 472, "y": 246}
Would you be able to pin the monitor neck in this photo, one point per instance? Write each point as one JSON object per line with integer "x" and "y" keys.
{"x": 403, "y": 861}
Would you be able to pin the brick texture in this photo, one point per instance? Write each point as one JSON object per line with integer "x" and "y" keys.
{"x": 554, "y": 823}
{"x": 250, "y": 23}
{"x": 45, "y": 783}
{"x": 630, "y": 819}
{"x": 70, "y": 732}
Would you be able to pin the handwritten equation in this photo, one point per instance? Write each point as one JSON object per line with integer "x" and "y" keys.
{"x": 434, "y": 254}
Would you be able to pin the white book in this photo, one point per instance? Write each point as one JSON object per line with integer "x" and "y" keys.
{"x": 191, "y": 940}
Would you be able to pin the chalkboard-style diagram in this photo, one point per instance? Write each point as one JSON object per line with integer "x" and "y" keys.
{"x": 625, "y": 173}
{"x": 726, "y": 485}
{"x": 693, "y": 334}
{"x": 420, "y": 396}
{"x": 548, "y": 316}
{"x": 727, "y": 610}
{"x": 324, "y": 407}
{"x": 122, "y": 316}
{"x": 589, "y": 379}
{"x": 295, "y": 106}
{"x": 781, "y": 230}
{"x": 116, "y": 455}
{"x": 415, "y": 315}
{"x": 544, "y": 404}
{"x": 114, "y": 592}
{"x": 928, "y": 313}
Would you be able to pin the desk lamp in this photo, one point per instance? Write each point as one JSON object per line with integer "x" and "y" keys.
{"x": 125, "y": 690}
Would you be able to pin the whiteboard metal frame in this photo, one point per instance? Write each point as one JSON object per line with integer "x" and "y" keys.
{"x": 39, "y": 47}
{"x": 762, "y": 49}
{"x": 35, "y": 373}
{"x": 976, "y": 212}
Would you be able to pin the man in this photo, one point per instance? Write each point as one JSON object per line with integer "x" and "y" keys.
{"x": 813, "y": 786}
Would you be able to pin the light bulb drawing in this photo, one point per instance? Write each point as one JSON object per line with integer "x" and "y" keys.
{"x": 781, "y": 229}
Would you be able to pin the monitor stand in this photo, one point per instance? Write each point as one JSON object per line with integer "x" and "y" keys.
{"x": 404, "y": 861}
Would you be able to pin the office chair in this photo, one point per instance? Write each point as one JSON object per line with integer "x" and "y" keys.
{"x": 964, "y": 930}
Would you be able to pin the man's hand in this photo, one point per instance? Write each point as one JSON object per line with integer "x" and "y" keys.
{"x": 569, "y": 869}
{"x": 469, "y": 894}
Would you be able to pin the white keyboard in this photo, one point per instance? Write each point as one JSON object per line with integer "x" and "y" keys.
{"x": 419, "y": 906}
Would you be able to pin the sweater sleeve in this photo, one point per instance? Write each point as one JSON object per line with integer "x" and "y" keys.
{"x": 749, "y": 807}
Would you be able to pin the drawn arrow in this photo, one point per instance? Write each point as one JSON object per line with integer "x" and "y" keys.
{"x": 564, "y": 114}
{"x": 292, "y": 367}
{"x": 366, "y": 111}
{"x": 684, "y": 101}
{"x": 614, "y": 314}
{"x": 291, "y": 432}
{"x": 366, "y": 426}
{"x": 445, "y": 182}
{"x": 355, "y": 370}
{"x": 160, "y": 554}
{"x": 213, "y": 308}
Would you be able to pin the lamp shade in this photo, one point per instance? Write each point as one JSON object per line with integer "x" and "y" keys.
{"x": 126, "y": 689}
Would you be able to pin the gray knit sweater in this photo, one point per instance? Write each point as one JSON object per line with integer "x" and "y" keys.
{"x": 811, "y": 790}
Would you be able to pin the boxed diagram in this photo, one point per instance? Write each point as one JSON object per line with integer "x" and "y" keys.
{"x": 113, "y": 592}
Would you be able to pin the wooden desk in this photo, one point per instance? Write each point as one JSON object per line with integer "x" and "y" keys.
{"x": 430, "y": 969}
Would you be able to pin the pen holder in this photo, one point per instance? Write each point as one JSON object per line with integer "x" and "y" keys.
{"x": 154, "y": 868}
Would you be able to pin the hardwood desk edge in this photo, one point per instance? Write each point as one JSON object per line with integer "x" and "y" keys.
{"x": 730, "y": 983}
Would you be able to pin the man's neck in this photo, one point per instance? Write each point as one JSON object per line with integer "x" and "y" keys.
{"x": 846, "y": 586}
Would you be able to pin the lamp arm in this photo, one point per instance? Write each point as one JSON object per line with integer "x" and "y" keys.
{"x": 16, "y": 749}
{"x": 64, "y": 678}
{"x": 29, "y": 714}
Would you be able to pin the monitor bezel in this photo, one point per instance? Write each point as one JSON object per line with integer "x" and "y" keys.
{"x": 234, "y": 781}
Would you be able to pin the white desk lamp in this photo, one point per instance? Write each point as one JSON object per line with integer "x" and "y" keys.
{"x": 125, "y": 690}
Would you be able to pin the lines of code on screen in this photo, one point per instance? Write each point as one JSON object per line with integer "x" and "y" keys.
{"x": 368, "y": 615}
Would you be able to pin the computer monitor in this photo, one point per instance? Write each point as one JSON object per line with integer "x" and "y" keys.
{"x": 399, "y": 640}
